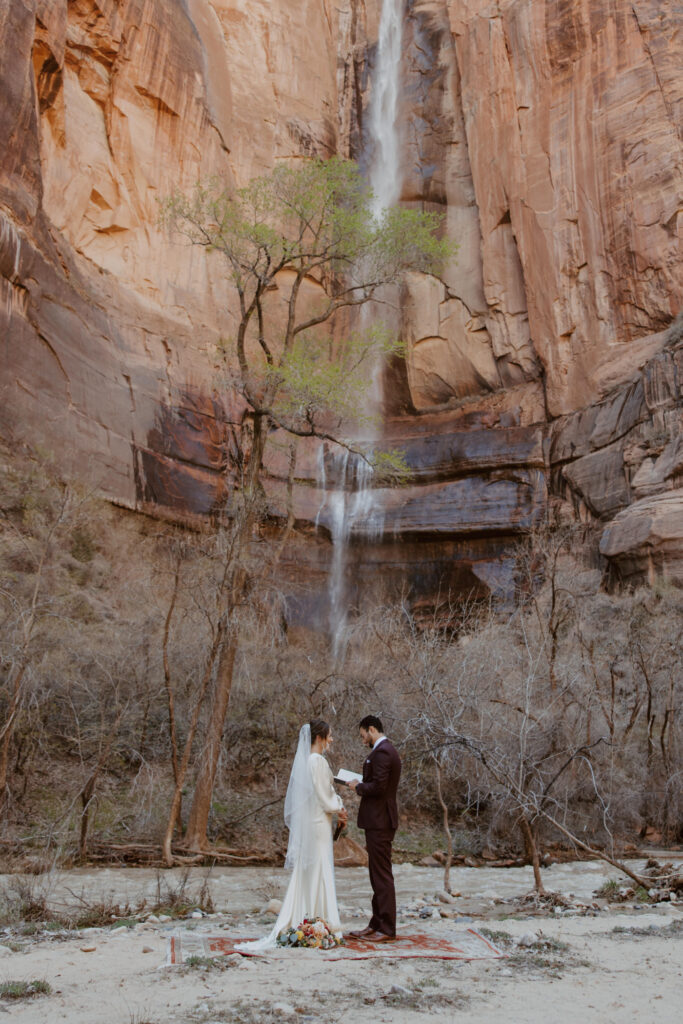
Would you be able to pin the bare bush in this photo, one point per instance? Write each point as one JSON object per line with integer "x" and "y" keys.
{"x": 519, "y": 727}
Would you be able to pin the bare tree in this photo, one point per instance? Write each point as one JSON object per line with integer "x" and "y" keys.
{"x": 301, "y": 248}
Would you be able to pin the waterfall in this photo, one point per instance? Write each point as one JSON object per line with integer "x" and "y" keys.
{"x": 348, "y": 498}
{"x": 348, "y": 502}
{"x": 383, "y": 136}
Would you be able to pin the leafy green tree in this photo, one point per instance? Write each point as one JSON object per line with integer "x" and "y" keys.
{"x": 301, "y": 249}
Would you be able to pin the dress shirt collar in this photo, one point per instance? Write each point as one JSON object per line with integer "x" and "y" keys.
{"x": 380, "y": 739}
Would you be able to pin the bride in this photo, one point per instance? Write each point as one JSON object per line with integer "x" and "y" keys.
{"x": 310, "y": 803}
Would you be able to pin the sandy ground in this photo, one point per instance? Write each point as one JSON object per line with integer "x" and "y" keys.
{"x": 605, "y": 976}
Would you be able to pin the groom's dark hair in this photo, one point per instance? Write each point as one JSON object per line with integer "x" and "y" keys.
{"x": 371, "y": 721}
{"x": 318, "y": 728}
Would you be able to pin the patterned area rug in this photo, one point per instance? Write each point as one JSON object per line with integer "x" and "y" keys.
{"x": 463, "y": 945}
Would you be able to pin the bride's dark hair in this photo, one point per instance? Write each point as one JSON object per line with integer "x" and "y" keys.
{"x": 318, "y": 728}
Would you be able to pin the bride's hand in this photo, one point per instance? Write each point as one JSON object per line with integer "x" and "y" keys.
{"x": 343, "y": 817}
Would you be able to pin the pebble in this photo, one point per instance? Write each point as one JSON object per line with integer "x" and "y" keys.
{"x": 528, "y": 939}
{"x": 165, "y": 917}
{"x": 400, "y": 990}
{"x": 147, "y": 949}
{"x": 445, "y": 897}
{"x": 196, "y": 914}
{"x": 272, "y": 907}
{"x": 88, "y": 949}
{"x": 283, "y": 1008}
{"x": 4, "y": 950}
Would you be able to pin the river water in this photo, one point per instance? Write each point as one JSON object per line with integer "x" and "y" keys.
{"x": 242, "y": 891}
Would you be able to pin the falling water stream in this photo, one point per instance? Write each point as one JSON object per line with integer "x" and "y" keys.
{"x": 350, "y": 499}
{"x": 383, "y": 133}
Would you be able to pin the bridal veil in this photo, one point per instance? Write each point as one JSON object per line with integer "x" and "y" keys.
{"x": 299, "y": 804}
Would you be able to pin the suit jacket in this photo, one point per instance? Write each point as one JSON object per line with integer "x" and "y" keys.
{"x": 381, "y": 772}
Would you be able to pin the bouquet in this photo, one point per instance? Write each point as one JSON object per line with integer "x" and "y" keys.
{"x": 315, "y": 934}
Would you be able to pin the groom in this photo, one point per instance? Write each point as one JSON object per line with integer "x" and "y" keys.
{"x": 378, "y": 815}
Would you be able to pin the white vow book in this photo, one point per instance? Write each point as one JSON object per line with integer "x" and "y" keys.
{"x": 345, "y": 777}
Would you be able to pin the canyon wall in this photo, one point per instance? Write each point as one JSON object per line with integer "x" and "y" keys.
{"x": 549, "y": 134}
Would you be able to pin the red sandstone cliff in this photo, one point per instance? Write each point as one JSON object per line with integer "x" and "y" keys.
{"x": 548, "y": 132}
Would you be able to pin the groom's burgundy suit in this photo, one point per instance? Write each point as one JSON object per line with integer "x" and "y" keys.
{"x": 378, "y": 815}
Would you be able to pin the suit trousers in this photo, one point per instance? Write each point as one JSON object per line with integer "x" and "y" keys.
{"x": 378, "y": 843}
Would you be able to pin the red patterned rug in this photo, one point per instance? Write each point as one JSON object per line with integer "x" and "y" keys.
{"x": 464, "y": 945}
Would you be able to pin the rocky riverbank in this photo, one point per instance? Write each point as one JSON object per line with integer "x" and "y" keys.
{"x": 584, "y": 956}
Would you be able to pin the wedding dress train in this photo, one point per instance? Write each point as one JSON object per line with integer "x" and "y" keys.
{"x": 311, "y": 891}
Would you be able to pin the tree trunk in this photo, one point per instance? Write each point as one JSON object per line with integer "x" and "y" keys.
{"x": 6, "y": 735}
{"x": 195, "y": 836}
{"x": 86, "y": 797}
{"x": 446, "y": 828}
{"x": 531, "y": 847}
{"x": 236, "y": 582}
{"x": 170, "y": 700}
{"x": 187, "y": 752}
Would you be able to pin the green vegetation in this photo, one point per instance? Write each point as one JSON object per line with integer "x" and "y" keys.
{"x": 608, "y": 889}
{"x": 208, "y": 963}
{"x": 302, "y": 250}
{"x": 24, "y": 989}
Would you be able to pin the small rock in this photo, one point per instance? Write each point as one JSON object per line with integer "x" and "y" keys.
{"x": 153, "y": 918}
{"x": 88, "y": 949}
{"x": 400, "y": 990}
{"x": 164, "y": 917}
{"x": 4, "y": 950}
{"x": 528, "y": 939}
{"x": 147, "y": 949}
{"x": 445, "y": 897}
{"x": 283, "y": 1008}
{"x": 429, "y": 862}
{"x": 197, "y": 915}
{"x": 272, "y": 907}
{"x": 448, "y": 912}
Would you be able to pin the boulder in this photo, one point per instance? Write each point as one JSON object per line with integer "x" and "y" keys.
{"x": 349, "y": 854}
{"x": 646, "y": 539}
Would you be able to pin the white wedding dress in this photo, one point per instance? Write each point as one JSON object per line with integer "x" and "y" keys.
{"x": 311, "y": 803}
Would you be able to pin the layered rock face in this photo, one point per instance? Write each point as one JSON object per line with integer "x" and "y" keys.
{"x": 547, "y": 132}
{"x": 551, "y": 132}
{"x": 107, "y": 106}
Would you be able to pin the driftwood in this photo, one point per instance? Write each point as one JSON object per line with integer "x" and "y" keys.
{"x": 152, "y": 854}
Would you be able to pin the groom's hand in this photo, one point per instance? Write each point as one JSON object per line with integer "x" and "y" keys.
{"x": 352, "y": 784}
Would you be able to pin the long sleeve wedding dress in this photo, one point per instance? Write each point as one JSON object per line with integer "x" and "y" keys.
{"x": 311, "y": 891}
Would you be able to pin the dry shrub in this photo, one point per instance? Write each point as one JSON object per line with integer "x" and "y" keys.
{"x": 574, "y": 694}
